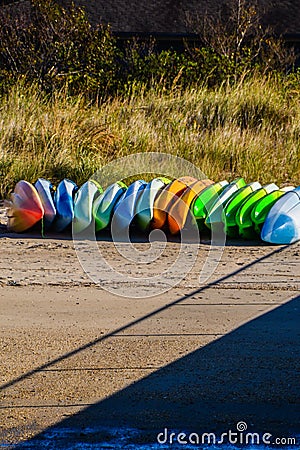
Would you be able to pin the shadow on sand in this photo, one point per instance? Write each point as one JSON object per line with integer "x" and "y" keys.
{"x": 249, "y": 375}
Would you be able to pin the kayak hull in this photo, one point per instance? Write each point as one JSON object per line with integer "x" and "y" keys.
{"x": 83, "y": 205}
{"x": 178, "y": 213}
{"x": 263, "y": 206}
{"x": 124, "y": 211}
{"x": 282, "y": 224}
{"x": 166, "y": 198}
{"x": 232, "y": 206}
{"x": 145, "y": 206}
{"x": 104, "y": 205}
{"x": 46, "y": 193}
{"x": 64, "y": 203}
{"x": 25, "y": 208}
{"x": 215, "y": 215}
{"x": 243, "y": 215}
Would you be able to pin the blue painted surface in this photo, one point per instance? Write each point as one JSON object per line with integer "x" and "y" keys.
{"x": 64, "y": 203}
{"x": 124, "y": 211}
{"x": 45, "y": 191}
{"x": 282, "y": 224}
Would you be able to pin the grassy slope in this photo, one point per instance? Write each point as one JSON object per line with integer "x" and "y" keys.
{"x": 250, "y": 130}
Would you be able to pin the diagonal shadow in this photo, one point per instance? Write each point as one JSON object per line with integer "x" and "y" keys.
{"x": 96, "y": 341}
{"x": 248, "y": 375}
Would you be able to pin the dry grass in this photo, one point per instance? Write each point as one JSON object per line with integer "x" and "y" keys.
{"x": 250, "y": 130}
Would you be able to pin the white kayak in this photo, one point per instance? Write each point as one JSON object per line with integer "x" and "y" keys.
{"x": 282, "y": 224}
{"x": 145, "y": 204}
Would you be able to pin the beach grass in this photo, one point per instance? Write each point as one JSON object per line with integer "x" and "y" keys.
{"x": 249, "y": 129}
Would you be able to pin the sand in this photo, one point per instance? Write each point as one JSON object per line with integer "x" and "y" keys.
{"x": 82, "y": 366}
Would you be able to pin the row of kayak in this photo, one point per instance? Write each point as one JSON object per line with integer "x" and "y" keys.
{"x": 241, "y": 209}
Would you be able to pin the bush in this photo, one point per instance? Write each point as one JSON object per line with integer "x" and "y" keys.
{"x": 57, "y": 47}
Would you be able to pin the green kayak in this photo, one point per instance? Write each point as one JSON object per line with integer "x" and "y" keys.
{"x": 243, "y": 215}
{"x": 263, "y": 206}
{"x": 232, "y": 206}
{"x": 204, "y": 201}
{"x": 104, "y": 205}
{"x": 215, "y": 212}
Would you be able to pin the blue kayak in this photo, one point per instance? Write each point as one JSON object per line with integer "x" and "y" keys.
{"x": 282, "y": 224}
{"x": 64, "y": 203}
{"x": 125, "y": 208}
{"x": 45, "y": 191}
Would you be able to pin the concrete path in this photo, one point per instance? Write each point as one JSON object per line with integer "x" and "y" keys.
{"x": 81, "y": 366}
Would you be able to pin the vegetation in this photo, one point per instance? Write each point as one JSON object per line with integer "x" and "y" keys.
{"x": 250, "y": 129}
{"x": 72, "y": 100}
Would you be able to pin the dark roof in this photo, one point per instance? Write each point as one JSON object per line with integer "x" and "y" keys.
{"x": 175, "y": 16}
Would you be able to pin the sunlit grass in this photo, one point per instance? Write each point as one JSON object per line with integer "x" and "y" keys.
{"x": 251, "y": 129}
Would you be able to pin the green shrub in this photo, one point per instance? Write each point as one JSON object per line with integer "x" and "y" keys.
{"x": 57, "y": 47}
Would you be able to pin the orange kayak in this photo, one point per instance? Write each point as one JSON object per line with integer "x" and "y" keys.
{"x": 166, "y": 198}
{"x": 178, "y": 213}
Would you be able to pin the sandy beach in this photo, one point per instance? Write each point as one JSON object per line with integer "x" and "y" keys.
{"x": 82, "y": 366}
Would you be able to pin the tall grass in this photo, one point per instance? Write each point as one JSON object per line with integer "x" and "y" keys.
{"x": 250, "y": 129}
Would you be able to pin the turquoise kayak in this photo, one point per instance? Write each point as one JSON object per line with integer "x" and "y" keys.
{"x": 104, "y": 205}
{"x": 83, "y": 205}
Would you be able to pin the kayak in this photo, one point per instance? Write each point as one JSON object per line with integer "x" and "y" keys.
{"x": 25, "y": 208}
{"x": 215, "y": 213}
{"x": 243, "y": 215}
{"x": 124, "y": 211}
{"x": 83, "y": 205}
{"x": 145, "y": 204}
{"x": 263, "y": 206}
{"x": 64, "y": 204}
{"x": 178, "y": 212}
{"x": 203, "y": 202}
{"x": 232, "y": 206}
{"x": 104, "y": 205}
{"x": 282, "y": 224}
{"x": 166, "y": 198}
{"x": 45, "y": 191}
